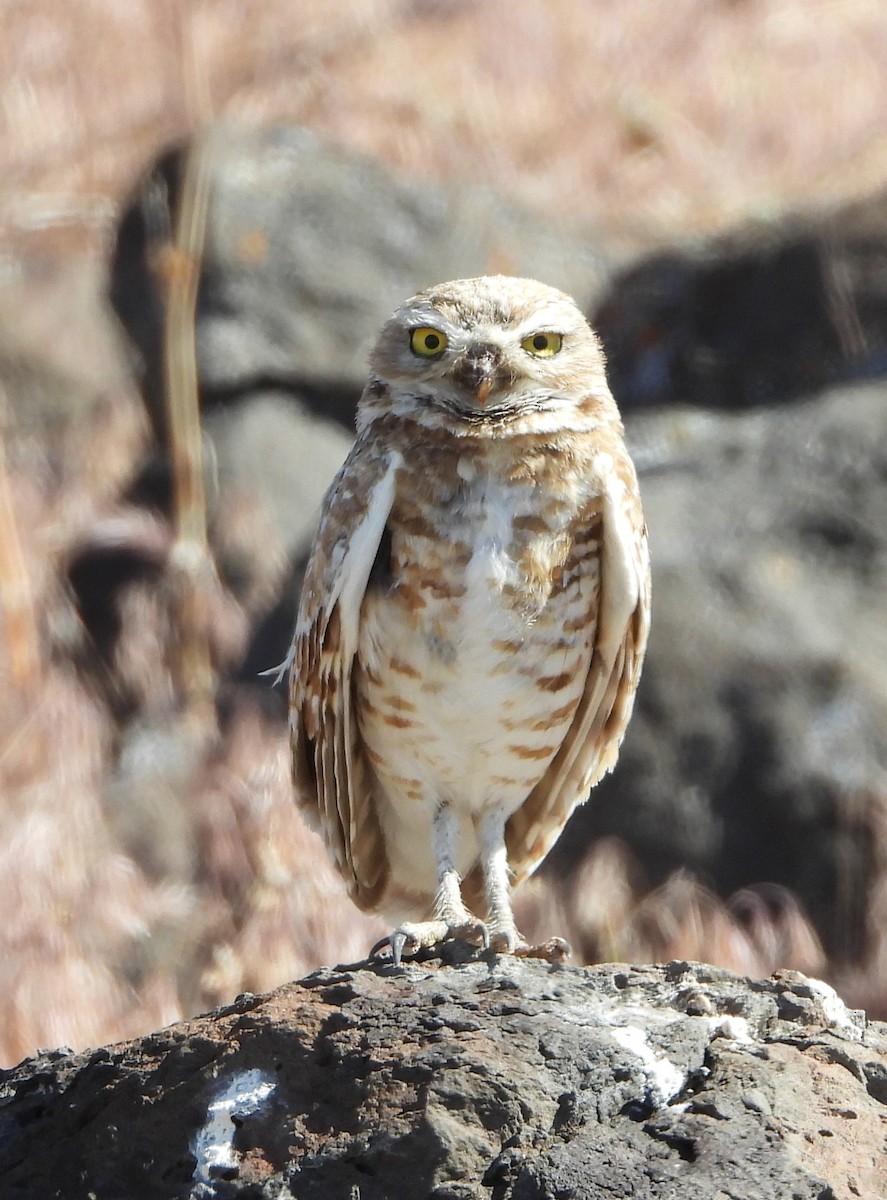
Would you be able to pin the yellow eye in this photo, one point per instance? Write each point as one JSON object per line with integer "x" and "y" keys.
{"x": 543, "y": 345}
{"x": 427, "y": 341}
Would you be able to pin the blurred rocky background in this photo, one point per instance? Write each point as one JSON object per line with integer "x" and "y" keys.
{"x": 710, "y": 183}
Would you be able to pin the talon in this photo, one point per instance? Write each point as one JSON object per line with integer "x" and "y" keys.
{"x": 507, "y": 941}
{"x": 474, "y": 932}
{"x": 398, "y": 941}
{"x": 382, "y": 944}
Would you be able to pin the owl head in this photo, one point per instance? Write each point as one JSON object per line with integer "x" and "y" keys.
{"x": 486, "y": 351}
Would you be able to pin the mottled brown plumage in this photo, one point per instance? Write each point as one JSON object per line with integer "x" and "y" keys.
{"x": 475, "y": 610}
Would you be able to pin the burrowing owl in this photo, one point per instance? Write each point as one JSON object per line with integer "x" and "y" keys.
{"x": 475, "y": 610}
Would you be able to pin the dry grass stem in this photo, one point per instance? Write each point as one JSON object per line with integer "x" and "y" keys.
{"x": 191, "y": 558}
{"x": 18, "y": 619}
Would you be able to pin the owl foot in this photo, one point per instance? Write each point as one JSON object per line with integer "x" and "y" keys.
{"x": 507, "y": 940}
{"x": 555, "y": 950}
{"x": 411, "y": 937}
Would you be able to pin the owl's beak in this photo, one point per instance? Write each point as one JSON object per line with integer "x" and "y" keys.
{"x": 476, "y": 371}
{"x": 482, "y": 393}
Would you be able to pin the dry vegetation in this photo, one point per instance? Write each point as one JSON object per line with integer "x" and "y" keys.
{"x": 648, "y": 126}
{"x": 147, "y": 871}
{"x": 149, "y": 867}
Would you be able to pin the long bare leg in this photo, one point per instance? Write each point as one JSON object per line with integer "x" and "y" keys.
{"x": 504, "y": 934}
{"x": 451, "y": 919}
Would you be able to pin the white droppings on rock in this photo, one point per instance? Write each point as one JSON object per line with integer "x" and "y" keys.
{"x": 663, "y": 1078}
{"x": 736, "y": 1029}
{"x": 213, "y": 1144}
{"x": 850, "y": 1021}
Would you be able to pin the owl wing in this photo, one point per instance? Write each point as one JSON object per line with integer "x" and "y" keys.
{"x": 332, "y": 783}
{"x": 622, "y": 618}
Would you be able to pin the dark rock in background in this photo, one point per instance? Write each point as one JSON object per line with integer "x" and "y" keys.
{"x": 271, "y": 450}
{"x": 311, "y": 249}
{"x": 758, "y": 749}
{"x": 766, "y": 314}
{"x": 498, "y": 1078}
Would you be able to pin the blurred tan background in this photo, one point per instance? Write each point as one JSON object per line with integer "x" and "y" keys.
{"x": 706, "y": 177}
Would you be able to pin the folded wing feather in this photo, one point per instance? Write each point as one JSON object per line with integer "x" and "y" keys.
{"x": 330, "y": 775}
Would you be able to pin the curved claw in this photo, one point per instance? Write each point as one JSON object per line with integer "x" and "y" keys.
{"x": 395, "y": 942}
{"x": 506, "y": 941}
{"x": 379, "y": 946}
{"x": 477, "y": 932}
{"x": 398, "y": 941}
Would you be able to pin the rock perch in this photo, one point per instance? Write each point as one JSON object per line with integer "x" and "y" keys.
{"x": 498, "y": 1078}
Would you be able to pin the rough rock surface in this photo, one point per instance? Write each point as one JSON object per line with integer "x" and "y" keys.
{"x": 504, "y": 1079}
